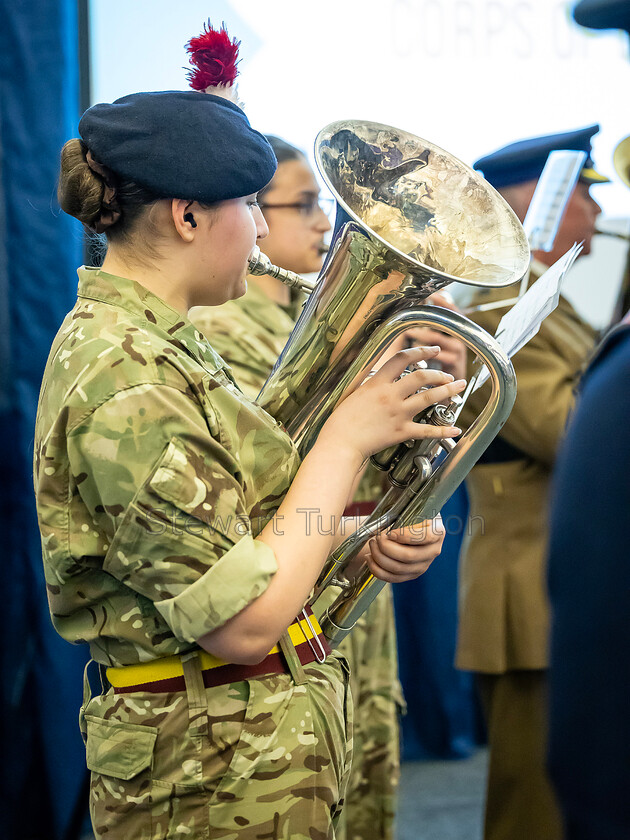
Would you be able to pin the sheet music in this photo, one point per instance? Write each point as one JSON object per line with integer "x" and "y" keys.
{"x": 523, "y": 320}
{"x": 553, "y": 190}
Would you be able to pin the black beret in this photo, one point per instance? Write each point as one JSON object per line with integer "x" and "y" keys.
{"x": 180, "y": 144}
{"x": 603, "y": 14}
{"x": 525, "y": 160}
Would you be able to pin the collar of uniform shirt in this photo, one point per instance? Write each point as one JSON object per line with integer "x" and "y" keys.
{"x": 124, "y": 293}
{"x": 262, "y": 309}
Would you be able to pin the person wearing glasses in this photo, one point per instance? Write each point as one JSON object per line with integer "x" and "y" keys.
{"x": 249, "y": 333}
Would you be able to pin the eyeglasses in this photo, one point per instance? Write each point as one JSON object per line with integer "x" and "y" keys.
{"x": 307, "y": 208}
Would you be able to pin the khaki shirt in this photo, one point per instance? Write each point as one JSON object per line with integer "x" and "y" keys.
{"x": 153, "y": 474}
{"x": 504, "y": 613}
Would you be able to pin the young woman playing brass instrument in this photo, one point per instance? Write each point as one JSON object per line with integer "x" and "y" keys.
{"x": 170, "y": 505}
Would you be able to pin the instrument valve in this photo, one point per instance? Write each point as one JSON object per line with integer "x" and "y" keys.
{"x": 445, "y": 415}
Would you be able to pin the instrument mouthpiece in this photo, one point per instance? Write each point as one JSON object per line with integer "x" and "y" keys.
{"x": 260, "y": 264}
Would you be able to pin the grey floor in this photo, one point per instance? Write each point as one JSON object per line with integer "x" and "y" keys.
{"x": 442, "y": 800}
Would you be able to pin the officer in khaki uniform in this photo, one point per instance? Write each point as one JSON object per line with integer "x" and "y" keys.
{"x": 504, "y": 611}
{"x": 249, "y": 333}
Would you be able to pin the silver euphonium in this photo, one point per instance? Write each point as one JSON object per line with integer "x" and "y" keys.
{"x": 411, "y": 219}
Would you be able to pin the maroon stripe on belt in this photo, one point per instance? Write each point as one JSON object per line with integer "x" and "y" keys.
{"x": 360, "y": 509}
{"x": 273, "y": 663}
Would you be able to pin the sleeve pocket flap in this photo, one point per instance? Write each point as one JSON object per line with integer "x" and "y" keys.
{"x": 118, "y": 749}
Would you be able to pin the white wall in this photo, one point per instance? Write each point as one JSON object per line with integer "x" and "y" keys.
{"x": 469, "y": 75}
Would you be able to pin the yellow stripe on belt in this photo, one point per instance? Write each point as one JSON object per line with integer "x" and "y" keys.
{"x": 171, "y": 666}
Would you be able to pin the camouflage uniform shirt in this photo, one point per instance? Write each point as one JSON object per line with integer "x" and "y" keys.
{"x": 153, "y": 475}
{"x": 249, "y": 332}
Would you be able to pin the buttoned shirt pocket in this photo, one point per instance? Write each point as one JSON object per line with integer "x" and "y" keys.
{"x": 185, "y": 543}
{"x": 204, "y": 492}
{"x": 182, "y": 519}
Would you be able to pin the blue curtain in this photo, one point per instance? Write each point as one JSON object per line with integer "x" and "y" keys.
{"x": 43, "y": 766}
{"x": 442, "y": 719}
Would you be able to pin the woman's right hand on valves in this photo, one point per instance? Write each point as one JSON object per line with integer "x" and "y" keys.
{"x": 380, "y": 412}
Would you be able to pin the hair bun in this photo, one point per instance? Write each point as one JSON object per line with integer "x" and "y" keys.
{"x": 80, "y": 190}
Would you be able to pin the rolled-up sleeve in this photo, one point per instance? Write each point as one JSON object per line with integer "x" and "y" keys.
{"x": 169, "y": 494}
{"x": 241, "y": 575}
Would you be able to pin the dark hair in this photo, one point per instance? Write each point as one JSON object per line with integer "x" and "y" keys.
{"x": 80, "y": 193}
{"x": 284, "y": 152}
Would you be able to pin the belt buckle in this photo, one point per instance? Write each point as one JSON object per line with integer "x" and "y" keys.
{"x": 317, "y": 653}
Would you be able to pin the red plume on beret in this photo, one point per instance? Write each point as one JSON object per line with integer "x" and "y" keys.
{"x": 214, "y": 58}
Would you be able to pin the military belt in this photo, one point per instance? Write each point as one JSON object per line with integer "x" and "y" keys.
{"x": 360, "y": 508}
{"x": 501, "y": 452}
{"x": 167, "y": 674}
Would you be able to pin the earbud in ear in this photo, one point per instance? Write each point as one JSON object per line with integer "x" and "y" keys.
{"x": 188, "y": 217}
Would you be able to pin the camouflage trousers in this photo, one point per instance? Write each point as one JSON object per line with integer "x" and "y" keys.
{"x": 262, "y": 758}
{"x": 371, "y": 652}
